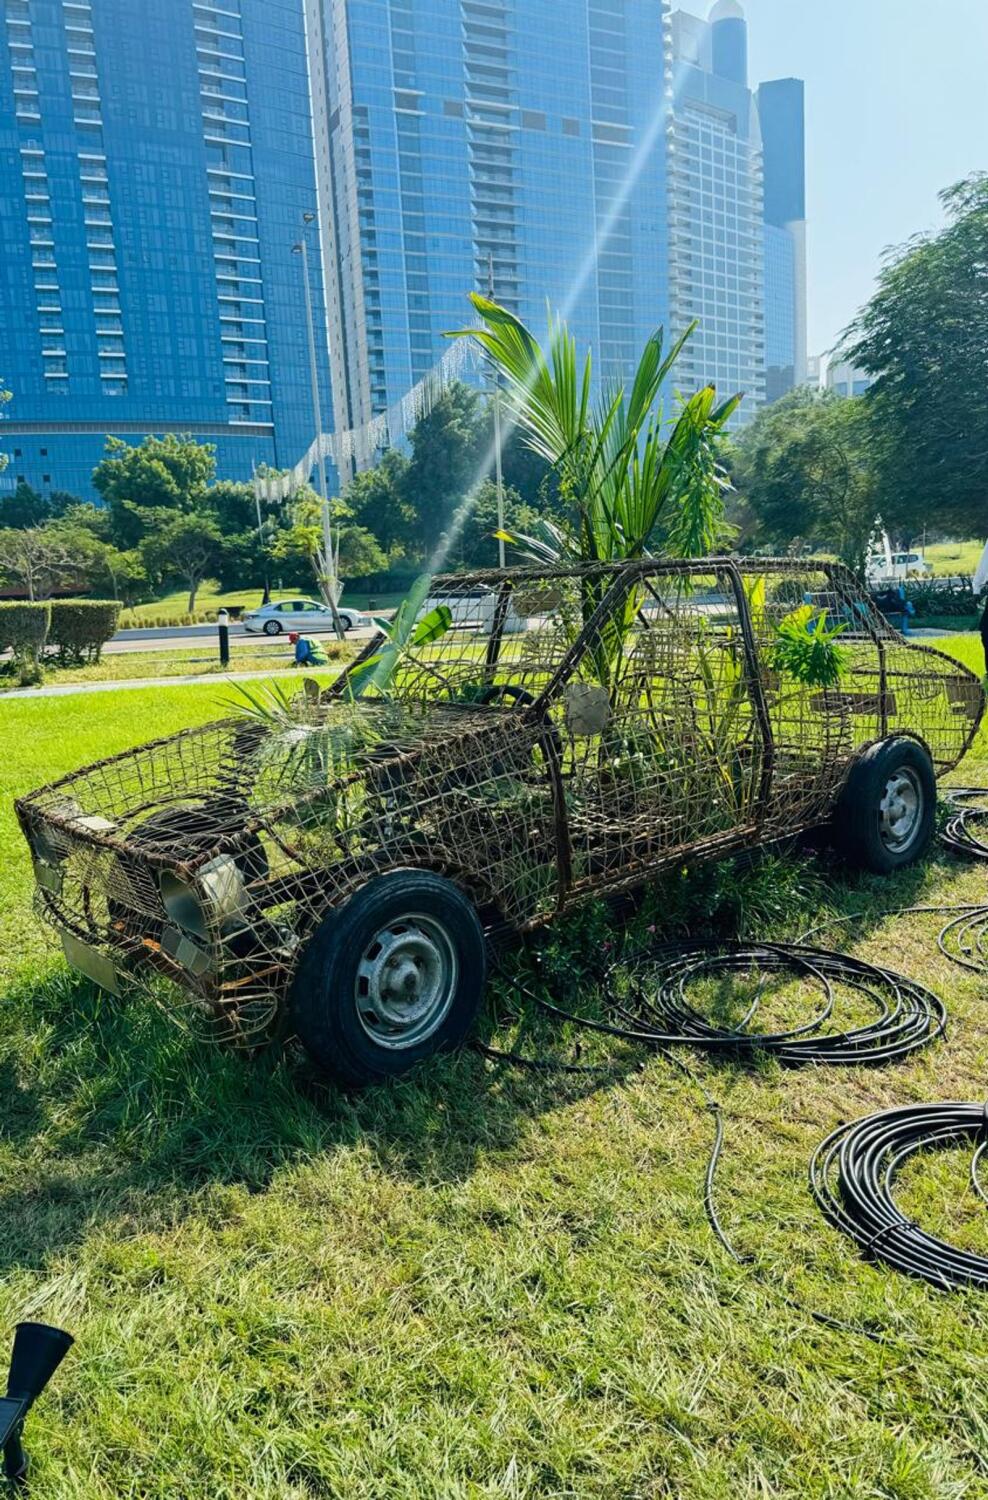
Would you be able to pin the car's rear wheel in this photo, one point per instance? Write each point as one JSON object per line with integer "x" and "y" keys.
{"x": 391, "y": 978}
{"x": 272, "y": 627}
{"x": 886, "y": 814}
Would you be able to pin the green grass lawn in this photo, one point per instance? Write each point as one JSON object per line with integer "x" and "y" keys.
{"x": 481, "y": 1282}
{"x": 209, "y": 599}
{"x": 949, "y": 558}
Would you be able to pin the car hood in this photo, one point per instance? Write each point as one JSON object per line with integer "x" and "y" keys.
{"x": 205, "y": 784}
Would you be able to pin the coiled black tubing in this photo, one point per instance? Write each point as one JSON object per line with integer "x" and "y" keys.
{"x": 853, "y": 1174}
{"x": 656, "y": 1010}
{"x": 963, "y": 829}
{"x": 646, "y": 1002}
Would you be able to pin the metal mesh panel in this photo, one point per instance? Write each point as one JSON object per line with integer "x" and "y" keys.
{"x": 557, "y": 732}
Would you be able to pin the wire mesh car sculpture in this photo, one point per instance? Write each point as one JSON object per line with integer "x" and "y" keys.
{"x": 336, "y": 871}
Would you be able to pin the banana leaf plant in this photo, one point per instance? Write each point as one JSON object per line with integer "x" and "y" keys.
{"x": 625, "y": 478}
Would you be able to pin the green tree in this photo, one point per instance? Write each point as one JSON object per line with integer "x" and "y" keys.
{"x": 378, "y": 500}
{"x": 246, "y": 557}
{"x": 39, "y": 559}
{"x": 26, "y": 507}
{"x": 301, "y": 541}
{"x": 181, "y": 546}
{"x": 923, "y": 338}
{"x": 475, "y": 546}
{"x": 169, "y": 473}
{"x": 126, "y": 574}
{"x": 804, "y": 470}
{"x": 448, "y": 448}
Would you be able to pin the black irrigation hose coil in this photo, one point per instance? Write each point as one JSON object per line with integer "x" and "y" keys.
{"x": 656, "y": 1014}
{"x": 852, "y": 1176}
{"x": 963, "y": 939}
{"x": 657, "y": 1011}
{"x": 970, "y": 804}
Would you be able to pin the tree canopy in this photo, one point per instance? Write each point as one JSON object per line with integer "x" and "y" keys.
{"x": 161, "y": 473}
{"x": 804, "y": 473}
{"x": 924, "y": 339}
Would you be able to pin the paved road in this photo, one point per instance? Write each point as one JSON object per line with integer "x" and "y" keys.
{"x": 199, "y": 636}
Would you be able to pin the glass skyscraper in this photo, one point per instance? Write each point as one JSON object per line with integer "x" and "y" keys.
{"x": 737, "y": 208}
{"x": 781, "y": 111}
{"x": 602, "y": 155}
{"x": 155, "y": 162}
{"x": 459, "y": 141}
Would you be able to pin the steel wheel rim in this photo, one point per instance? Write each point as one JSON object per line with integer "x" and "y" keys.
{"x": 406, "y": 981}
{"x": 900, "y": 812}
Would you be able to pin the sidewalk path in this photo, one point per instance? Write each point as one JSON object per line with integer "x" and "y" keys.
{"x": 66, "y": 689}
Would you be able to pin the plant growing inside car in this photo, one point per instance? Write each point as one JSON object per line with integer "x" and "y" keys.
{"x": 628, "y": 479}
{"x": 806, "y": 648}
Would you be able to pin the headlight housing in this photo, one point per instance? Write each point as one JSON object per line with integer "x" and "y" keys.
{"x": 216, "y": 898}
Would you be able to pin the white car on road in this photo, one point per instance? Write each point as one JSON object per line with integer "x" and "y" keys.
{"x": 300, "y": 614}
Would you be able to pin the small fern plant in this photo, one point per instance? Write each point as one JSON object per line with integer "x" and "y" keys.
{"x": 806, "y": 648}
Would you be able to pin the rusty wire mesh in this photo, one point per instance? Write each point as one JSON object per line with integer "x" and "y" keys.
{"x": 565, "y": 731}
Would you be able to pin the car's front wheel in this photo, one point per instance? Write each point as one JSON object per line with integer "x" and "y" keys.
{"x": 886, "y": 815}
{"x": 391, "y": 978}
{"x": 272, "y": 627}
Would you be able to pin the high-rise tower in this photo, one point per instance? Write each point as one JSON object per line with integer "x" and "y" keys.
{"x": 781, "y": 111}
{"x": 455, "y": 138}
{"x": 155, "y": 163}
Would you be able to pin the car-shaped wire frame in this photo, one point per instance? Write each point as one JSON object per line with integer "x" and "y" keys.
{"x": 644, "y": 714}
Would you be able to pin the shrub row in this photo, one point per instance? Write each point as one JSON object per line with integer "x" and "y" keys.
{"x": 23, "y": 627}
{"x": 952, "y": 597}
{"x": 24, "y": 630}
{"x": 80, "y": 628}
{"x": 77, "y": 628}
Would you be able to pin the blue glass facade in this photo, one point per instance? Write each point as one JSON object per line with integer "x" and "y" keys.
{"x": 458, "y": 139}
{"x": 738, "y": 210}
{"x": 781, "y": 108}
{"x": 718, "y": 257}
{"x": 780, "y": 319}
{"x": 155, "y": 163}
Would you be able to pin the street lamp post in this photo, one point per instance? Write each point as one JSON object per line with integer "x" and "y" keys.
{"x": 329, "y": 558}
{"x": 499, "y": 474}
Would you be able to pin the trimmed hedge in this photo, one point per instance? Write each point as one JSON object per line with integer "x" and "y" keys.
{"x": 23, "y": 627}
{"x": 81, "y": 627}
{"x": 24, "y": 630}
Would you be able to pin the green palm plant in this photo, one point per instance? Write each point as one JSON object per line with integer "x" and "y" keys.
{"x": 620, "y": 474}
{"x": 625, "y": 478}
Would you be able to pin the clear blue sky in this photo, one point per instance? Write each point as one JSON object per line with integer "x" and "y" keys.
{"x": 897, "y": 108}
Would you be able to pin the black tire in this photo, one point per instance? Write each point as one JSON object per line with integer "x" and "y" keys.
{"x": 869, "y": 830}
{"x": 423, "y": 927}
{"x": 272, "y": 627}
{"x": 345, "y": 620}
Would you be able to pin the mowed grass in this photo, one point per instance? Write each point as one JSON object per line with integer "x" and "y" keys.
{"x": 950, "y": 558}
{"x": 209, "y": 598}
{"x": 480, "y": 1282}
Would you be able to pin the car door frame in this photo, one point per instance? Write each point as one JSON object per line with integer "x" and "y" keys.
{"x": 625, "y": 578}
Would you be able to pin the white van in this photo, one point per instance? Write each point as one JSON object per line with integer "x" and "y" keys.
{"x": 474, "y": 609}
{"x": 904, "y": 565}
